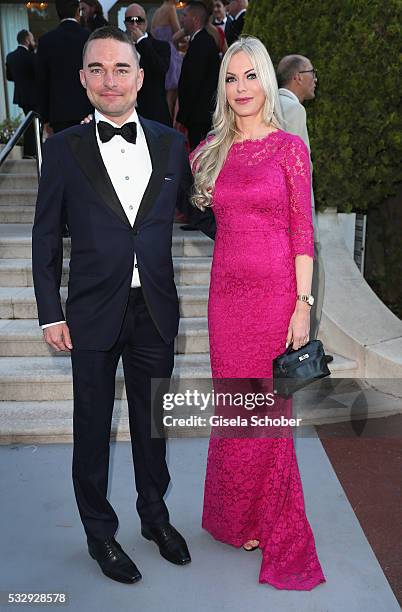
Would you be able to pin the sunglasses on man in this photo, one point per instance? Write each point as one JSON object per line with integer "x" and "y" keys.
{"x": 135, "y": 19}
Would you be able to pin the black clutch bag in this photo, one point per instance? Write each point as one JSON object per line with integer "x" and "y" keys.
{"x": 294, "y": 370}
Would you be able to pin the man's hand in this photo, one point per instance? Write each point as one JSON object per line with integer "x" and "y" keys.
{"x": 48, "y": 129}
{"x": 135, "y": 33}
{"x": 58, "y": 337}
{"x": 87, "y": 119}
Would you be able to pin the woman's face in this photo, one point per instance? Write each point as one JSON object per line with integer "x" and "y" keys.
{"x": 243, "y": 89}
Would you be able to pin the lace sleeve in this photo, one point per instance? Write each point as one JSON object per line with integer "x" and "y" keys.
{"x": 298, "y": 177}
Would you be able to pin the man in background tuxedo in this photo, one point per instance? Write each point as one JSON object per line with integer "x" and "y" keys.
{"x": 62, "y": 100}
{"x": 219, "y": 15}
{"x": 154, "y": 60}
{"x": 20, "y": 68}
{"x": 118, "y": 180}
{"x": 297, "y": 80}
{"x": 199, "y": 75}
{"x": 234, "y": 26}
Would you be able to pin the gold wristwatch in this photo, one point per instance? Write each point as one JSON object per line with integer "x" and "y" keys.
{"x": 306, "y": 298}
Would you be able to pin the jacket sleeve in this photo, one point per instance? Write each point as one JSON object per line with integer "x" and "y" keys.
{"x": 194, "y": 68}
{"x": 42, "y": 82}
{"x": 47, "y": 242}
{"x": 9, "y": 74}
{"x": 156, "y": 57}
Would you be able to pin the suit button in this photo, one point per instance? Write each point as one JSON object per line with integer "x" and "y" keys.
{"x": 135, "y": 232}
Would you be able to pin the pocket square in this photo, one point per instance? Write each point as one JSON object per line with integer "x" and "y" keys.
{"x": 168, "y": 178}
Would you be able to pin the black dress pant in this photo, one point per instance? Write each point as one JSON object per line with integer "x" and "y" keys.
{"x": 145, "y": 355}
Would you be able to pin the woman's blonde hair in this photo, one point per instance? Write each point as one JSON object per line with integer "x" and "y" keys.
{"x": 208, "y": 161}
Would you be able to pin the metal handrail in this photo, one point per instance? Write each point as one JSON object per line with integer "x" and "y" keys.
{"x": 32, "y": 117}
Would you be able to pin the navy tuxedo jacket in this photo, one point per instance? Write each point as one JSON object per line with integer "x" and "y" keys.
{"x": 76, "y": 186}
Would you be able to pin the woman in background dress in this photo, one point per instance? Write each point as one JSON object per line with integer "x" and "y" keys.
{"x": 257, "y": 179}
{"x": 165, "y": 24}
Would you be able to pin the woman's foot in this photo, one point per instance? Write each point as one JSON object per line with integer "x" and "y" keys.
{"x": 251, "y": 545}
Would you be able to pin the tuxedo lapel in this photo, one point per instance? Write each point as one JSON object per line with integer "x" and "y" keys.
{"x": 158, "y": 146}
{"x": 86, "y": 151}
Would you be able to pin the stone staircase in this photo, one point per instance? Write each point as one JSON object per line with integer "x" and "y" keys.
{"x": 35, "y": 382}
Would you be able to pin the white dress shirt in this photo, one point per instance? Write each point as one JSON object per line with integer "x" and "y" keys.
{"x": 129, "y": 168}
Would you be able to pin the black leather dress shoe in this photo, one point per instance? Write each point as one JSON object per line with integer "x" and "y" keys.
{"x": 172, "y": 545}
{"x": 113, "y": 561}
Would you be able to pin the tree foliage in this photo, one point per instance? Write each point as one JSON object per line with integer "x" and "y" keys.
{"x": 355, "y": 121}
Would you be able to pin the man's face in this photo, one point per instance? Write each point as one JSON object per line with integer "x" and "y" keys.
{"x": 86, "y": 11}
{"x": 233, "y": 8}
{"x": 219, "y": 11}
{"x": 30, "y": 43}
{"x": 308, "y": 81}
{"x": 188, "y": 22}
{"x": 140, "y": 22}
{"x": 111, "y": 78}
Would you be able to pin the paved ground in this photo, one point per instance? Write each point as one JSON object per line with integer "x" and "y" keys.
{"x": 43, "y": 546}
{"x": 367, "y": 459}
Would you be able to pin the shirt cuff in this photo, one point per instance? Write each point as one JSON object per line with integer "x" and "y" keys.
{"x": 142, "y": 37}
{"x": 51, "y": 324}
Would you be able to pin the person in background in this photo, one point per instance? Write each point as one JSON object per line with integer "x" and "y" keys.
{"x": 297, "y": 80}
{"x": 219, "y": 15}
{"x": 62, "y": 100}
{"x": 234, "y": 26}
{"x": 199, "y": 75}
{"x": 165, "y": 24}
{"x": 92, "y": 15}
{"x": 20, "y": 68}
{"x": 154, "y": 58}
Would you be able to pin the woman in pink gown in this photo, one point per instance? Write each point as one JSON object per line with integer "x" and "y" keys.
{"x": 257, "y": 179}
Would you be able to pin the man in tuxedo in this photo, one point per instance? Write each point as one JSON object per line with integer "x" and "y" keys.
{"x": 237, "y": 14}
{"x": 91, "y": 12}
{"x": 62, "y": 100}
{"x": 118, "y": 179}
{"x": 297, "y": 80}
{"x": 199, "y": 75}
{"x": 219, "y": 15}
{"x": 20, "y": 68}
{"x": 154, "y": 60}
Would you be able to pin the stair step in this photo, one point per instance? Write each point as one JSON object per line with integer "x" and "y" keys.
{"x": 34, "y": 420}
{"x": 16, "y": 243}
{"x": 19, "y": 302}
{"x": 17, "y": 213}
{"x": 18, "y": 180}
{"x": 20, "y": 166}
{"x": 24, "y": 338}
{"x": 188, "y": 271}
{"x": 49, "y": 378}
{"x": 18, "y": 196}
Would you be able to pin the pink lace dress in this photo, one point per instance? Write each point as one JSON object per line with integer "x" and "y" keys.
{"x": 262, "y": 206}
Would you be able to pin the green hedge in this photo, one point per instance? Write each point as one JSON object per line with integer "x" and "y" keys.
{"x": 354, "y": 123}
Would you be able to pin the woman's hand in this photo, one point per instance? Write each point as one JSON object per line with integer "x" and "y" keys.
{"x": 87, "y": 119}
{"x": 299, "y": 326}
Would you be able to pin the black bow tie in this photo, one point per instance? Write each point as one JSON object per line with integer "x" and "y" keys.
{"x": 106, "y": 131}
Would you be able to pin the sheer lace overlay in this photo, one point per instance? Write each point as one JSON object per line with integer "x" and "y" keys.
{"x": 262, "y": 205}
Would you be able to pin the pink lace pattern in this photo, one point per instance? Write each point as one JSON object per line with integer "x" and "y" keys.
{"x": 262, "y": 205}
